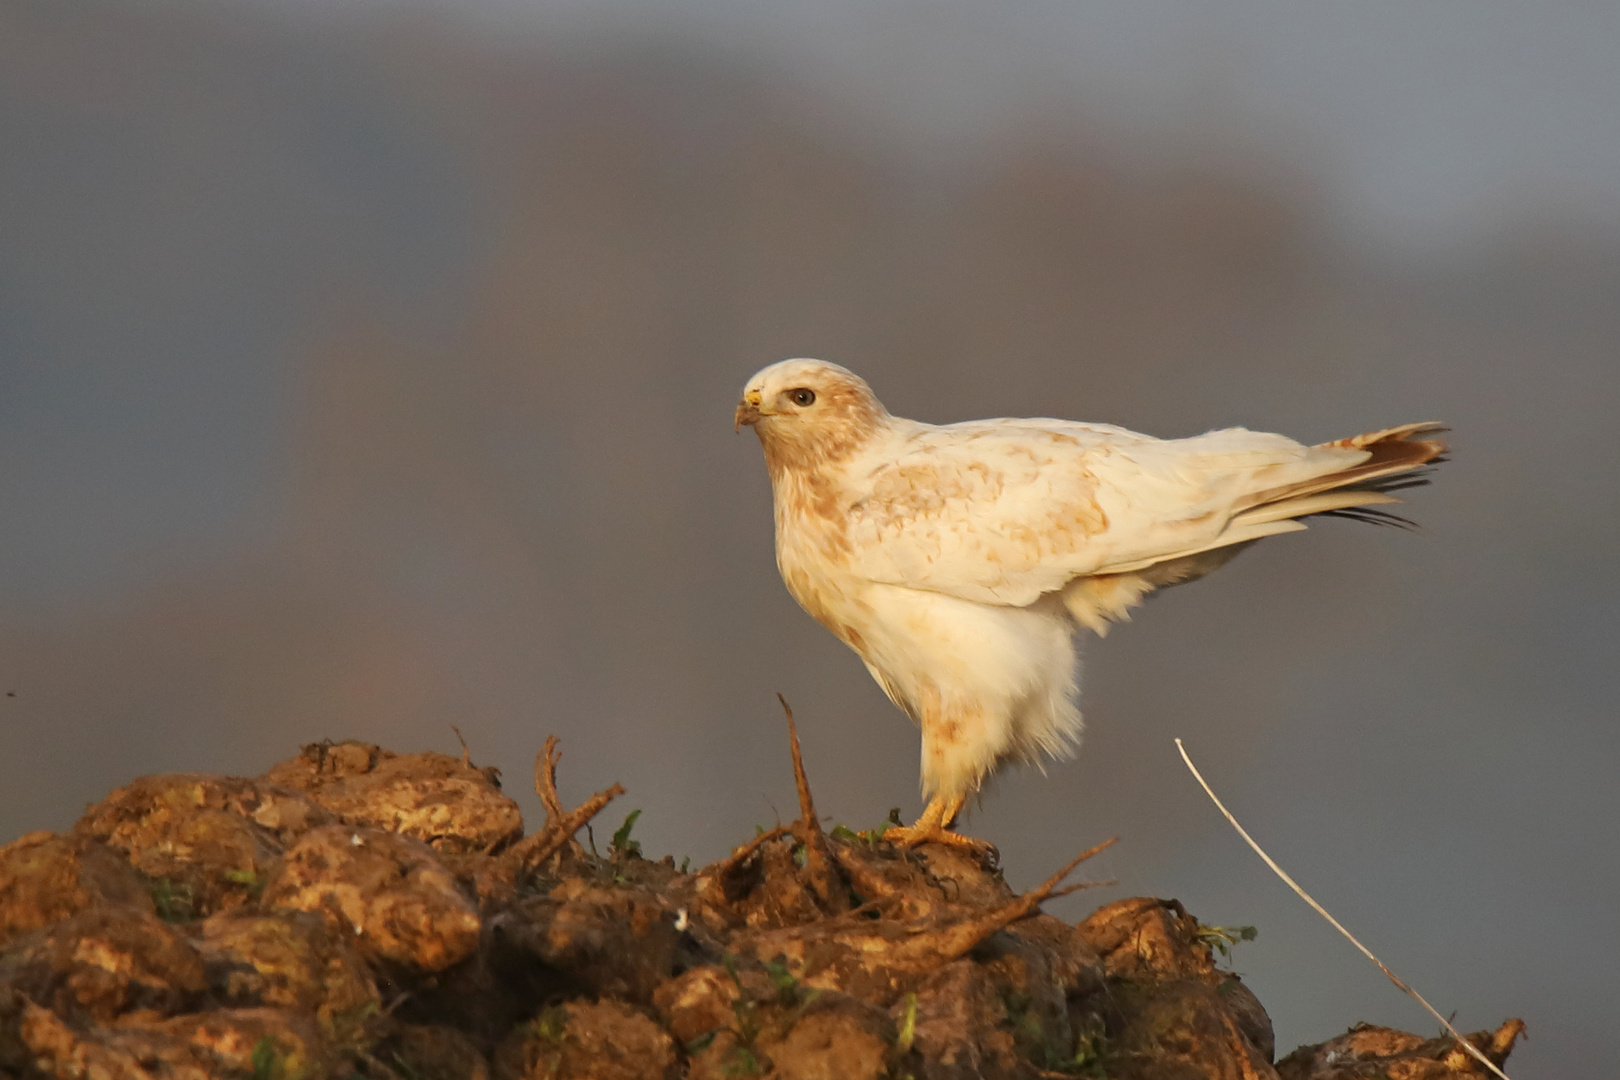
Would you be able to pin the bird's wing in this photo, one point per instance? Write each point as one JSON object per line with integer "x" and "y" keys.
{"x": 1001, "y": 511}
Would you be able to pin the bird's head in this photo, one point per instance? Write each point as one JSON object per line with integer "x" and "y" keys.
{"x": 807, "y": 412}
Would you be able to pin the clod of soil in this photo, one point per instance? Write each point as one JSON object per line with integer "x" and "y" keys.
{"x": 359, "y": 913}
{"x": 286, "y": 960}
{"x": 44, "y": 878}
{"x": 440, "y": 800}
{"x": 400, "y": 903}
{"x": 208, "y": 842}
{"x": 1367, "y": 1051}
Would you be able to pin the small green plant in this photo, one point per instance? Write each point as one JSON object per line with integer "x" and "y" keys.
{"x": 266, "y": 1059}
{"x": 551, "y": 1025}
{"x": 1223, "y": 938}
{"x": 908, "y": 1026}
{"x": 254, "y": 881}
{"x": 174, "y": 900}
{"x": 865, "y": 836}
{"x": 1023, "y": 1021}
{"x": 787, "y": 987}
{"x": 621, "y": 845}
{"x": 548, "y": 1031}
{"x": 1090, "y": 1044}
{"x": 743, "y": 1058}
{"x": 742, "y": 1061}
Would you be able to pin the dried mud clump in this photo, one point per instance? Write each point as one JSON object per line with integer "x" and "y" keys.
{"x": 355, "y": 913}
{"x": 442, "y": 801}
{"x": 388, "y": 890}
{"x": 1366, "y": 1051}
{"x": 207, "y": 843}
{"x": 44, "y": 878}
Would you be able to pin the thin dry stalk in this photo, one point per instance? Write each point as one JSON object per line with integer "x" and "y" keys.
{"x": 1400, "y": 984}
{"x": 466, "y": 755}
{"x": 807, "y": 806}
{"x": 819, "y": 861}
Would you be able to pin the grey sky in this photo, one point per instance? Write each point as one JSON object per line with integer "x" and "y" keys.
{"x": 1425, "y": 124}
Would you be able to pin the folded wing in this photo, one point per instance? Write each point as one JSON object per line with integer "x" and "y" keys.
{"x": 1002, "y": 511}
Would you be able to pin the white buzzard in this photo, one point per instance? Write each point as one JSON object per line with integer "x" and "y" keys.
{"x": 959, "y": 560}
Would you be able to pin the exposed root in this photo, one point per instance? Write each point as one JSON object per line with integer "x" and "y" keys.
{"x": 807, "y": 806}
{"x": 545, "y": 786}
{"x": 819, "y": 861}
{"x": 958, "y": 939}
{"x": 741, "y": 854}
{"x": 560, "y": 827}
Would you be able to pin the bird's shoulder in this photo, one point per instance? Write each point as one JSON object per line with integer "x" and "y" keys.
{"x": 925, "y": 465}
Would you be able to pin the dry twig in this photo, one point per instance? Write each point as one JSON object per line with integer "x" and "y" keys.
{"x": 545, "y": 786}
{"x": 807, "y": 806}
{"x": 819, "y": 861}
{"x": 547, "y": 843}
{"x": 545, "y": 779}
{"x": 1462, "y": 1040}
{"x": 958, "y": 939}
{"x": 743, "y": 851}
{"x": 560, "y": 828}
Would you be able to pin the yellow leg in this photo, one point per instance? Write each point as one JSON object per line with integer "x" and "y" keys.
{"x": 934, "y": 827}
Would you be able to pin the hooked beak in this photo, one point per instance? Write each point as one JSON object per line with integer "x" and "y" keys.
{"x": 748, "y": 410}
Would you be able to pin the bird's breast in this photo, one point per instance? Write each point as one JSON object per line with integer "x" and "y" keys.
{"x": 814, "y": 556}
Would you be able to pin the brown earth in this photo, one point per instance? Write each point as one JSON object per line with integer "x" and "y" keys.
{"x": 358, "y": 913}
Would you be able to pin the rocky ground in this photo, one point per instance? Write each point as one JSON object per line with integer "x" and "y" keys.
{"x": 359, "y": 913}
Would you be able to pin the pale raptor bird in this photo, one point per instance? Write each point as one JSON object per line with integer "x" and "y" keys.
{"x": 960, "y": 560}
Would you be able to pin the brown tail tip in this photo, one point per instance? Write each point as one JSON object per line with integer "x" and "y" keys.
{"x": 1399, "y": 445}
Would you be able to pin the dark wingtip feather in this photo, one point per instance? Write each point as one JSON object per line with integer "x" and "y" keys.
{"x": 1373, "y": 517}
{"x": 1418, "y": 477}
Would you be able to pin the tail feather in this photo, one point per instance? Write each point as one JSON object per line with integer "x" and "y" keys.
{"x": 1396, "y": 459}
{"x": 1373, "y": 517}
{"x": 1394, "y": 462}
{"x": 1334, "y": 500}
{"x": 1395, "y": 451}
{"x": 1366, "y": 439}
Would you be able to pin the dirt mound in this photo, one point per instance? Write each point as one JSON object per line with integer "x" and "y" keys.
{"x": 354, "y": 912}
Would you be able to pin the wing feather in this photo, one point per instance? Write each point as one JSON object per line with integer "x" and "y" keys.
{"x": 1002, "y": 511}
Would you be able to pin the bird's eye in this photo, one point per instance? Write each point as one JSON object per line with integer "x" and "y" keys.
{"x": 802, "y": 397}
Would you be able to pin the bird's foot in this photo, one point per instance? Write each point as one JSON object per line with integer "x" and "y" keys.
{"x": 926, "y": 832}
{"x": 934, "y": 827}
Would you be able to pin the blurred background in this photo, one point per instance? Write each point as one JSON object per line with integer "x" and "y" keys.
{"x": 368, "y": 368}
